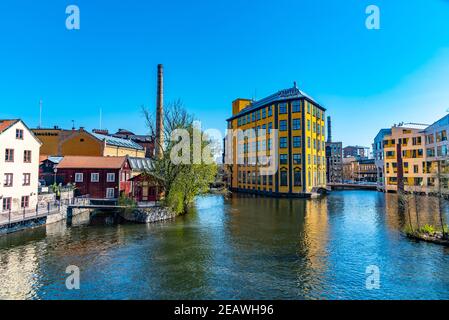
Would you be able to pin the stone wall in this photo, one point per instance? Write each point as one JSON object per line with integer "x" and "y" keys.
{"x": 147, "y": 215}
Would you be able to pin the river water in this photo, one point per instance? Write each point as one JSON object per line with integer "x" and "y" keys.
{"x": 239, "y": 248}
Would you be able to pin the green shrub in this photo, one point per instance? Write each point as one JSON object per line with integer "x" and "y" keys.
{"x": 427, "y": 229}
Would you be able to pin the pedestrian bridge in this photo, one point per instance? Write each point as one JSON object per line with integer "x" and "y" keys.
{"x": 352, "y": 186}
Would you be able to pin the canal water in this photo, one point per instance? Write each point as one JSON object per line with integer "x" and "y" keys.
{"x": 239, "y": 248}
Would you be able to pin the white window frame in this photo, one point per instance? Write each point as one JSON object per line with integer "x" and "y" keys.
{"x": 110, "y": 174}
{"x": 77, "y": 175}
{"x": 108, "y": 193}
{"x": 94, "y": 174}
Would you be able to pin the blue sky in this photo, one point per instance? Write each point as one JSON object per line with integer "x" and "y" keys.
{"x": 216, "y": 51}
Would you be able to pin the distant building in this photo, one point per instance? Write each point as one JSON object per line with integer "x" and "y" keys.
{"x": 356, "y": 151}
{"x": 359, "y": 170}
{"x": 378, "y": 154}
{"x": 19, "y": 166}
{"x": 404, "y": 158}
{"x": 61, "y": 142}
{"x": 98, "y": 177}
{"x": 334, "y": 158}
{"x": 146, "y": 141}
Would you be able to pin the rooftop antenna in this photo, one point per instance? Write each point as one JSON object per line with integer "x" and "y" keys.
{"x": 73, "y": 124}
{"x": 40, "y": 113}
{"x": 101, "y": 114}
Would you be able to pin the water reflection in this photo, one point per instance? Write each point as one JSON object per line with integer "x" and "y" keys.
{"x": 244, "y": 247}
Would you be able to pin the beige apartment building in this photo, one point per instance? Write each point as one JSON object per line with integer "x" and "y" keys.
{"x": 404, "y": 158}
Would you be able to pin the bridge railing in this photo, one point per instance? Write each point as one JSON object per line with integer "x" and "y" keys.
{"x": 40, "y": 210}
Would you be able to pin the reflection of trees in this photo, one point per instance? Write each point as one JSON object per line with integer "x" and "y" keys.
{"x": 397, "y": 215}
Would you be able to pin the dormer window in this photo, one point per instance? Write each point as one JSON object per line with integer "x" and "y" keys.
{"x": 19, "y": 134}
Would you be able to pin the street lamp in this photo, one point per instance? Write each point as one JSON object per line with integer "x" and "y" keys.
{"x": 55, "y": 170}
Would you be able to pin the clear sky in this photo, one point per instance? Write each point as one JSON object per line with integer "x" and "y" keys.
{"x": 216, "y": 51}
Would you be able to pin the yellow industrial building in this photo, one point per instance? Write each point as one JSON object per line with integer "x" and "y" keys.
{"x": 301, "y": 153}
{"x": 60, "y": 142}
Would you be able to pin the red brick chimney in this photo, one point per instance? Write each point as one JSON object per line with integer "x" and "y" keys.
{"x": 160, "y": 111}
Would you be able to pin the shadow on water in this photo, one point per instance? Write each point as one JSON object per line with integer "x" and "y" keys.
{"x": 244, "y": 247}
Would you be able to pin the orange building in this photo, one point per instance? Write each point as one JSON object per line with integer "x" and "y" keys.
{"x": 61, "y": 142}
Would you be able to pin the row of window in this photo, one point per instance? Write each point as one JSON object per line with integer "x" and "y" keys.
{"x": 9, "y": 155}
{"x": 95, "y": 177}
{"x": 283, "y": 109}
{"x": 251, "y": 178}
{"x": 8, "y": 180}
{"x": 7, "y": 203}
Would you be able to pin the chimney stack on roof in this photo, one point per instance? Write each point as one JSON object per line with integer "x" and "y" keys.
{"x": 160, "y": 111}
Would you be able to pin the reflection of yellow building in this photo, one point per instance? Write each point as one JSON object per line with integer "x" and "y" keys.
{"x": 59, "y": 142}
{"x": 299, "y": 121}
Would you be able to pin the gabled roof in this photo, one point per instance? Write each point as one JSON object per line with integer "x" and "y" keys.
{"x": 282, "y": 95}
{"x": 86, "y": 162}
{"x": 6, "y": 124}
{"x": 118, "y": 142}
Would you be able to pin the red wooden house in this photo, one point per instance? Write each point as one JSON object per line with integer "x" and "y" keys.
{"x": 98, "y": 177}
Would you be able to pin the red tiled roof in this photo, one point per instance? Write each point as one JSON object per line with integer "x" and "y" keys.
{"x": 85, "y": 162}
{"x": 5, "y": 124}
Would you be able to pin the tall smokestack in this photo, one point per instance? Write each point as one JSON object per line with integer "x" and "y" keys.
{"x": 329, "y": 129}
{"x": 160, "y": 111}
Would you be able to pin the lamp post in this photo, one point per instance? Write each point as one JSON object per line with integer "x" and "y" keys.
{"x": 55, "y": 170}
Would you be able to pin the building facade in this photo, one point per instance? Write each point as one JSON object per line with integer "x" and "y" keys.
{"x": 378, "y": 154}
{"x": 356, "y": 151}
{"x": 61, "y": 142}
{"x": 436, "y": 169}
{"x": 19, "y": 167}
{"x": 404, "y": 158}
{"x": 98, "y": 177}
{"x": 299, "y": 122}
{"x": 334, "y": 162}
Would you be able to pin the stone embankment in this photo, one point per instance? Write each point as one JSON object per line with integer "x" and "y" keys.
{"x": 147, "y": 215}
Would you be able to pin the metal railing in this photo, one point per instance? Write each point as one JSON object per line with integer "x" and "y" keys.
{"x": 40, "y": 210}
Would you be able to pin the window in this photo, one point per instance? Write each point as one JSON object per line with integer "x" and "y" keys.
{"x": 94, "y": 177}
{"x": 253, "y": 117}
{"x": 270, "y": 111}
{"x": 284, "y": 181}
{"x": 19, "y": 134}
{"x": 296, "y": 106}
{"x": 415, "y": 169}
{"x": 283, "y": 142}
{"x": 110, "y": 193}
{"x": 297, "y": 178}
{"x": 9, "y": 155}
{"x": 110, "y": 177}
{"x": 78, "y": 177}
{"x": 257, "y": 115}
{"x": 283, "y": 159}
{"x": 7, "y": 204}
{"x": 282, "y": 108}
{"x": 296, "y": 124}
{"x": 296, "y": 158}
{"x": 270, "y": 126}
{"x": 25, "y": 202}
{"x": 296, "y": 142}
{"x": 264, "y": 113}
{"x": 283, "y": 125}
{"x": 27, "y": 156}
{"x": 308, "y": 125}
{"x": 26, "y": 179}
{"x": 8, "y": 181}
